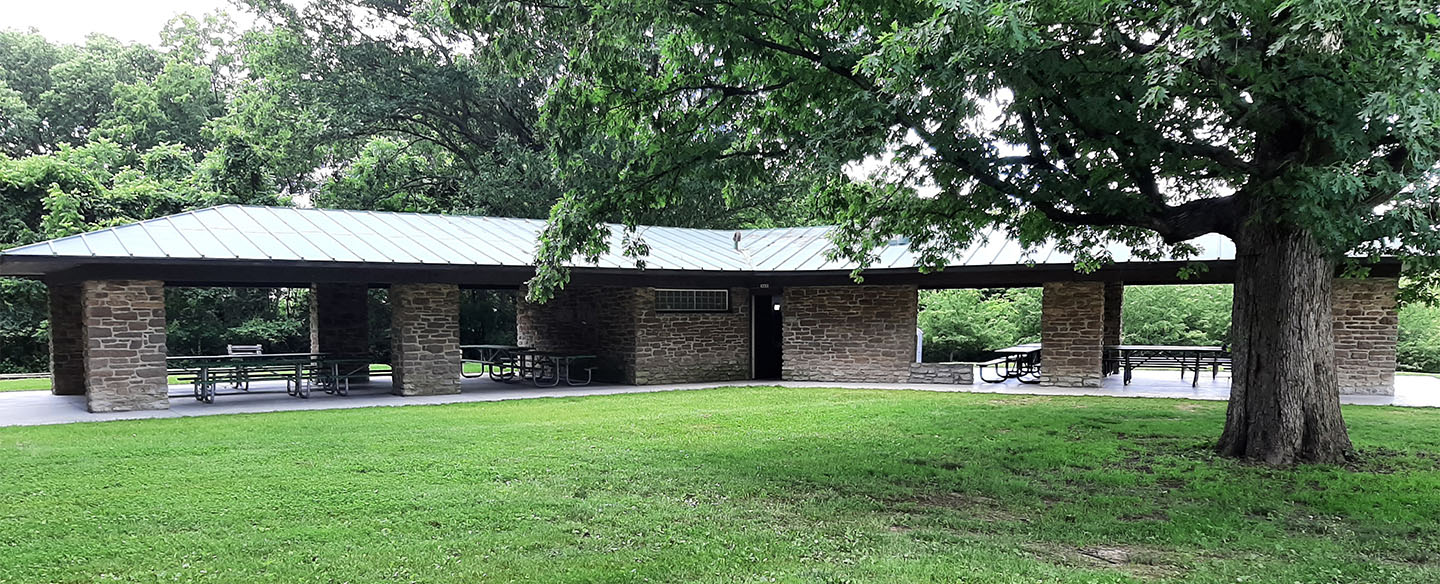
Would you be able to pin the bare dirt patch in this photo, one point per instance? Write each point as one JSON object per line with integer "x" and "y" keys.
{"x": 1020, "y": 400}
{"x": 1138, "y": 561}
{"x": 976, "y": 506}
{"x": 1152, "y": 516}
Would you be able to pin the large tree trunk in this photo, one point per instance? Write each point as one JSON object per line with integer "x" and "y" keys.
{"x": 1284, "y": 396}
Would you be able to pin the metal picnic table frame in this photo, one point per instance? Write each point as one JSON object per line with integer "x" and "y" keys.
{"x": 300, "y": 371}
{"x": 497, "y": 361}
{"x": 548, "y": 368}
{"x": 1126, "y": 358}
{"x": 543, "y": 368}
{"x": 1020, "y": 362}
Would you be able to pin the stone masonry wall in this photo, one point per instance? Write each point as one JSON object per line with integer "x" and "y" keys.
{"x": 1366, "y": 326}
{"x": 684, "y": 347}
{"x": 340, "y": 324}
{"x": 1114, "y": 309}
{"x": 947, "y": 373}
{"x": 1114, "y": 320}
{"x": 125, "y": 345}
{"x": 425, "y": 338}
{"x": 1072, "y": 332}
{"x": 339, "y": 320}
{"x": 598, "y": 321}
{"x": 849, "y": 333}
{"x": 67, "y": 339}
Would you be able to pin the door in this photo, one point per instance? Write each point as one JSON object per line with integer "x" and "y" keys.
{"x": 765, "y": 336}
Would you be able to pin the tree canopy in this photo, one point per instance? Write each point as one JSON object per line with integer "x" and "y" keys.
{"x": 1080, "y": 121}
{"x": 357, "y": 104}
{"x": 1305, "y": 131}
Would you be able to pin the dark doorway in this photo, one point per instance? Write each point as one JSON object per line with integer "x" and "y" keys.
{"x": 766, "y": 336}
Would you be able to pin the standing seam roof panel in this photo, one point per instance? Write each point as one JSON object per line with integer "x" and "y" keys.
{"x": 204, "y": 243}
{"x": 328, "y": 244}
{"x": 503, "y": 250}
{"x": 210, "y": 223}
{"x": 725, "y": 256}
{"x": 421, "y": 252}
{"x": 166, "y": 238}
{"x": 109, "y": 243}
{"x": 520, "y": 234}
{"x": 679, "y": 257}
{"x": 362, "y": 232}
{"x": 354, "y": 246}
{"x": 445, "y": 236}
{"x": 281, "y": 229}
{"x": 257, "y": 233}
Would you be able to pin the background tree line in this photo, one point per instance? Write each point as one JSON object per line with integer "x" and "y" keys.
{"x": 966, "y": 325}
{"x": 355, "y": 104}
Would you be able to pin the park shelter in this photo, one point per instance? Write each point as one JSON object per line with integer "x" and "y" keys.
{"x": 707, "y": 305}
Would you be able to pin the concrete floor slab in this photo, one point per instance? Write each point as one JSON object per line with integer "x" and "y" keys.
{"x": 32, "y": 408}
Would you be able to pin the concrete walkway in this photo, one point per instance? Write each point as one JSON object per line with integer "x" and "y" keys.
{"x": 33, "y": 408}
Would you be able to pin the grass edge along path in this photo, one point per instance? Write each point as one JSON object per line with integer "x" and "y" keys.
{"x": 726, "y": 485}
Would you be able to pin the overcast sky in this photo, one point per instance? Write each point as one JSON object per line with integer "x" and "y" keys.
{"x": 68, "y": 21}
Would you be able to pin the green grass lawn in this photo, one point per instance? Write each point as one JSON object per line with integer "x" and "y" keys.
{"x": 24, "y": 384}
{"x": 729, "y": 485}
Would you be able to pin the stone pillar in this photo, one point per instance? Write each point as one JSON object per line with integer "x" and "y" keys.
{"x": 67, "y": 339}
{"x": 125, "y": 345}
{"x": 425, "y": 338}
{"x": 1114, "y": 321}
{"x": 340, "y": 323}
{"x": 1366, "y": 327}
{"x": 1114, "y": 307}
{"x": 1072, "y": 333}
{"x": 598, "y": 320}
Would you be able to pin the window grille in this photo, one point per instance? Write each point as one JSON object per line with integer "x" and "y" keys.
{"x": 692, "y": 300}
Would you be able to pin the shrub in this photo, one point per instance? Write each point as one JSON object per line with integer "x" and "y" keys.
{"x": 1418, "y": 348}
{"x": 1177, "y": 315}
{"x": 965, "y": 325}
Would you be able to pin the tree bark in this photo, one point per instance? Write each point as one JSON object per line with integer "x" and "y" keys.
{"x": 1284, "y": 396}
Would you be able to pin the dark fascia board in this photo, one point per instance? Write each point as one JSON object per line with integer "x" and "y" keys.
{"x": 249, "y": 273}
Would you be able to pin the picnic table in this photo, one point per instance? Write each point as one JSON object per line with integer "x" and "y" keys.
{"x": 497, "y": 361}
{"x": 301, "y": 372}
{"x": 208, "y": 372}
{"x": 1020, "y": 362}
{"x": 1127, "y": 358}
{"x": 549, "y": 368}
{"x": 542, "y": 368}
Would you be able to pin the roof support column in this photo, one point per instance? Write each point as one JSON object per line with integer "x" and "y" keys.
{"x": 125, "y": 345}
{"x": 67, "y": 339}
{"x": 1366, "y": 328}
{"x": 425, "y": 338}
{"x": 340, "y": 324}
{"x": 1072, "y": 334}
{"x": 1114, "y": 321}
{"x": 599, "y": 320}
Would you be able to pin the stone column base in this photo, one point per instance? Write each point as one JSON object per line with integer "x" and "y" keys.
{"x": 340, "y": 324}
{"x": 125, "y": 345}
{"x": 67, "y": 339}
{"x": 425, "y": 338}
{"x": 1072, "y": 332}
